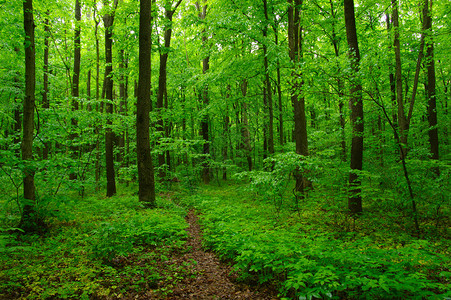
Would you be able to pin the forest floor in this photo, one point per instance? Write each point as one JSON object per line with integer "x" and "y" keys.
{"x": 214, "y": 279}
{"x": 196, "y": 274}
{"x": 220, "y": 243}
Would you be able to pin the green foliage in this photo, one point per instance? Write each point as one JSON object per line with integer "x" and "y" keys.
{"x": 307, "y": 259}
{"x": 85, "y": 253}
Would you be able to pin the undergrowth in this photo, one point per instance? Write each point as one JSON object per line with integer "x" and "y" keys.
{"x": 309, "y": 255}
{"x": 96, "y": 248}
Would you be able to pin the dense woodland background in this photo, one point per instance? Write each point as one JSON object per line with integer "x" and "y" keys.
{"x": 326, "y": 110}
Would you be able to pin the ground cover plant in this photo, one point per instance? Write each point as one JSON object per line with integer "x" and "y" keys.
{"x": 98, "y": 248}
{"x": 307, "y": 257}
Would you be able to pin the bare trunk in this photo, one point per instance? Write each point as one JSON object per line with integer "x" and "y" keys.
{"x": 206, "y": 100}
{"x": 430, "y": 92}
{"x": 75, "y": 91}
{"x": 145, "y": 166}
{"x": 108, "y": 21}
{"x": 356, "y": 104}
{"x": 29, "y": 221}
{"x": 297, "y": 100}
{"x": 45, "y": 95}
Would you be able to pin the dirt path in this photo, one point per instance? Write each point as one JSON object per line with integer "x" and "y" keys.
{"x": 212, "y": 280}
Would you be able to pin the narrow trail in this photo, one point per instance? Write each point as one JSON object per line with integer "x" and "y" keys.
{"x": 212, "y": 280}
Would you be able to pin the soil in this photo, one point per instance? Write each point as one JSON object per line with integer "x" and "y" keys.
{"x": 213, "y": 279}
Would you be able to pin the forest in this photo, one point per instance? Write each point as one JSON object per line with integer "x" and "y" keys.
{"x": 225, "y": 149}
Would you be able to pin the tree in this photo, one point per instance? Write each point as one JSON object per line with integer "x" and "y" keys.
{"x": 146, "y": 178}
{"x": 29, "y": 217}
{"x": 162, "y": 79}
{"x": 108, "y": 20}
{"x": 75, "y": 91}
{"x": 430, "y": 89}
{"x": 205, "y": 99}
{"x": 297, "y": 99}
{"x": 356, "y": 104}
{"x": 45, "y": 99}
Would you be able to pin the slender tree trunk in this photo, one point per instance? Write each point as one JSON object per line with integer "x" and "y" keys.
{"x": 29, "y": 218}
{"x": 279, "y": 90}
{"x": 108, "y": 21}
{"x": 88, "y": 90}
{"x": 268, "y": 84}
{"x": 245, "y": 126}
{"x": 45, "y": 95}
{"x": 402, "y": 121}
{"x": 146, "y": 179}
{"x": 356, "y": 104}
{"x": 98, "y": 109}
{"x": 17, "y": 127}
{"x": 206, "y": 100}
{"x": 430, "y": 92}
{"x": 298, "y": 102}
{"x": 122, "y": 101}
{"x": 162, "y": 82}
{"x": 75, "y": 91}
{"x": 340, "y": 88}
{"x": 391, "y": 76}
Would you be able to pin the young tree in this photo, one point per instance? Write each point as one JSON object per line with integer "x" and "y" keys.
{"x": 162, "y": 81}
{"x": 205, "y": 99}
{"x": 146, "y": 178}
{"x": 75, "y": 91}
{"x": 430, "y": 91}
{"x": 45, "y": 99}
{"x": 356, "y": 104}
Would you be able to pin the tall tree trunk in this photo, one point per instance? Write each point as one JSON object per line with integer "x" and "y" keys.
{"x": 269, "y": 102}
{"x": 108, "y": 21}
{"x": 246, "y": 142}
{"x": 146, "y": 178}
{"x": 45, "y": 95}
{"x": 356, "y": 104}
{"x": 298, "y": 102}
{"x": 430, "y": 92}
{"x": 88, "y": 90}
{"x": 29, "y": 220}
{"x": 17, "y": 127}
{"x": 122, "y": 103}
{"x": 391, "y": 76}
{"x": 340, "y": 88}
{"x": 402, "y": 121}
{"x": 279, "y": 90}
{"x": 206, "y": 100}
{"x": 162, "y": 80}
{"x": 75, "y": 91}
{"x": 97, "y": 128}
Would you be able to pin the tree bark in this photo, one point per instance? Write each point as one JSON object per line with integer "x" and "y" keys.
{"x": 146, "y": 179}
{"x": 402, "y": 121}
{"x": 269, "y": 101}
{"x": 45, "y": 95}
{"x": 246, "y": 142}
{"x": 29, "y": 218}
{"x": 430, "y": 92}
{"x": 75, "y": 91}
{"x": 356, "y": 104}
{"x": 162, "y": 81}
{"x": 297, "y": 100}
{"x": 206, "y": 100}
{"x": 108, "y": 21}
